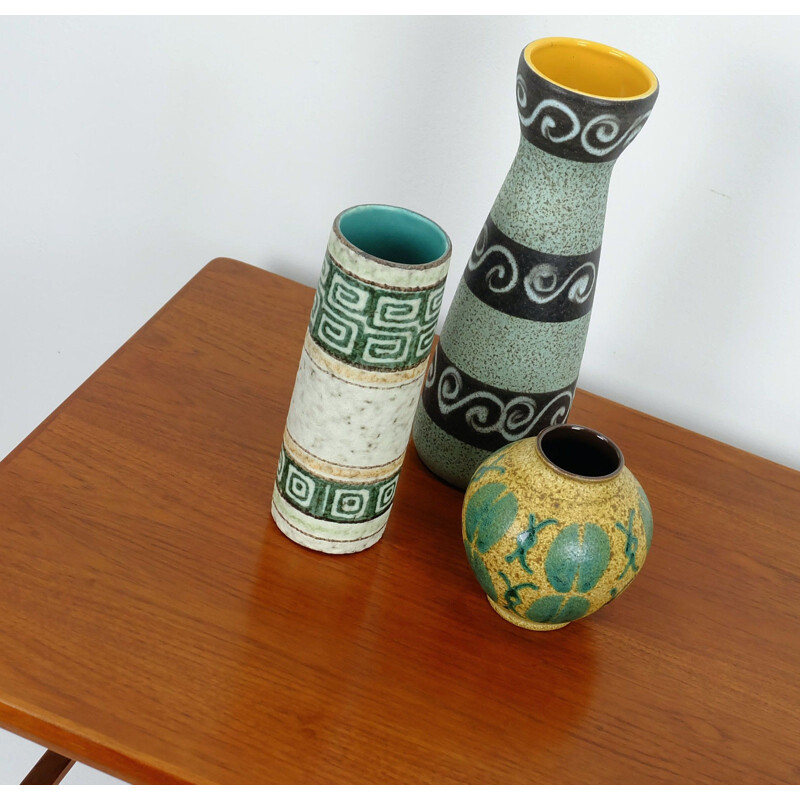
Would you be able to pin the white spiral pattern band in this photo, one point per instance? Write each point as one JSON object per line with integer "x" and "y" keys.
{"x": 516, "y": 418}
{"x": 598, "y": 137}
{"x": 541, "y": 283}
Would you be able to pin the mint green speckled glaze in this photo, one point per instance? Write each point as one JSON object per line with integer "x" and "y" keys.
{"x": 553, "y": 205}
{"x": 514, "y": 353}
{"x": 510, "y": 351}
{"x": 453, "y": 458}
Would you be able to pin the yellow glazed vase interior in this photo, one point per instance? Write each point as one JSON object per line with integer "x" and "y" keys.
{"x": 590, "y": 68}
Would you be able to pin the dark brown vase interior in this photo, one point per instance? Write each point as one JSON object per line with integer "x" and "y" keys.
{"x": 580, "y": 452}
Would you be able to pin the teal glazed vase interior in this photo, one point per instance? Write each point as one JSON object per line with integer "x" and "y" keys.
{"x": 555, "y": 527}
{"x": 507, "y": 362}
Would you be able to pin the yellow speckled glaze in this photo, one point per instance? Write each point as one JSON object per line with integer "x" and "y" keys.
{"x": 548, "y": 544}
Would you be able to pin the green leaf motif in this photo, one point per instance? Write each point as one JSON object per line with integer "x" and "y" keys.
{"x": 556, "y": 608}
{"x": 545, "y": 608}
{"x": 578, "y": 561}
{"x": 491, "y": 464}
{"x": 489, "y": 515}
{"x": 647, "y": 516}
{"x": 481, "y": 572}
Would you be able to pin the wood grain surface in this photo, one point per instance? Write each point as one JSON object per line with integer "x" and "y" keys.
{"x": 155, "y": 623}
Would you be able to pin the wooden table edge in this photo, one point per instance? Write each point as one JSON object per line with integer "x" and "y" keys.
{"x": 75, "y": 742}
{"x": 49, "y": 730}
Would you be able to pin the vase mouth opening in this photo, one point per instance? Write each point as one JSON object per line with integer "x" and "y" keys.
{"x": 579, "y": 452}
{"x": 393, "y": 235}
{"x": 590, "y": 68}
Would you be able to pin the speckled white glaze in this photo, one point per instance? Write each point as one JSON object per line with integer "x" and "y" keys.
{"x": 347, "y": 423}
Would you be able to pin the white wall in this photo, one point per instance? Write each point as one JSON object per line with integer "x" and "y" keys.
{"x": 134, "y": 150}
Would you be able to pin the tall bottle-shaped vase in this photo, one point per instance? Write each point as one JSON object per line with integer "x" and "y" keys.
{"x": 508, "y": 359}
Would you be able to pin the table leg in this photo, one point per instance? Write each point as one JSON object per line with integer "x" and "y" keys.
{"x": 49, "y": 769}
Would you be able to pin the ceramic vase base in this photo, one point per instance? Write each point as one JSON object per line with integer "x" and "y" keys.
{"x": 449, "y": 459}
{"x": 514, "y": 619}
{"x": 323, "y": 545}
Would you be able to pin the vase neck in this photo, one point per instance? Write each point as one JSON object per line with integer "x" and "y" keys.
{"x": 560, "y": 105}
{"x": 539, "y": 187}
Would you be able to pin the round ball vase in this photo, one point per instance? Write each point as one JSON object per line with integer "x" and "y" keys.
{"x": 555, "y": 527}
{"x": 510, "y": 351}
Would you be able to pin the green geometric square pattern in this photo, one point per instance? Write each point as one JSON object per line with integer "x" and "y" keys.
{"x": 372, "y": 327}
{"x": 332, "y": 500}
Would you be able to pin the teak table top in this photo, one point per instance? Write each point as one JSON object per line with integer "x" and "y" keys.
{"x": 156, "y": 624}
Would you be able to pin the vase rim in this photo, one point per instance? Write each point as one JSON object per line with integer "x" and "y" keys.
{"x": 606, "y": 453}
{"x": 582, "y": 56}
{"x": 422, "y": 224}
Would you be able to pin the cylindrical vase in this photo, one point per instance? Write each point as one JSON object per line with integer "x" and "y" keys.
{"x": 363, "y": 362}
{"x": 507, "y": 362}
